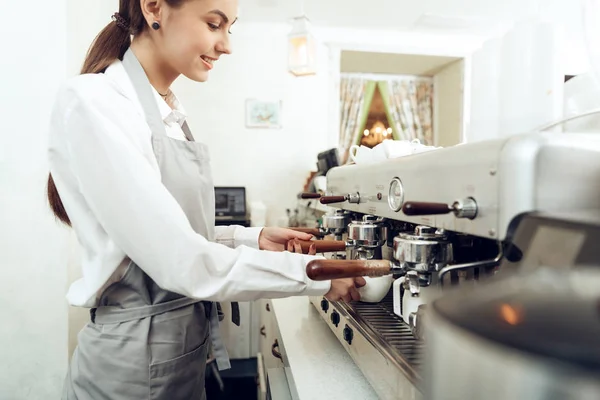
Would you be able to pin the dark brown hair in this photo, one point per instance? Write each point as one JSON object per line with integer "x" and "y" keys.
{"x": 110, "y": 44}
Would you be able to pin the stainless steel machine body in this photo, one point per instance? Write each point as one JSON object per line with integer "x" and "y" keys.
{"x": 531, "y": 333}
{"x": 450, "y": 217}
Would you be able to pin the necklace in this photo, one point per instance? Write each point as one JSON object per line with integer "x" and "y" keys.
{"x": 164, "y": 96}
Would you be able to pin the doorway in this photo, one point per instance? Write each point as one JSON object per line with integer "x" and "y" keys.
{"x": 400, "y": 97}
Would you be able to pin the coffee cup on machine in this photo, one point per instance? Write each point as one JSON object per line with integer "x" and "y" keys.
{"x": 375, "y": 289}
{"x": 360, "y": 154}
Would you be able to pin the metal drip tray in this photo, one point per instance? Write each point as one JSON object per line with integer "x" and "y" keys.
{"x": 388, "y": 333}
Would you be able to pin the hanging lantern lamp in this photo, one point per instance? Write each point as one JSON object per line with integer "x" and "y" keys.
{"x": 302, "y": 57}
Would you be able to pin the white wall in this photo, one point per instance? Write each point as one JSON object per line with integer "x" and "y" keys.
{"x": 33, "y": 248}
{"x": 448, "y": 106}
{"x": 272, "y": 164}
{"x": 568, "y": 15}
{"x": 87, "y": 18}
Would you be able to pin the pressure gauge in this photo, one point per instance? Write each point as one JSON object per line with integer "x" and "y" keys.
{"x": 396, "y": 195}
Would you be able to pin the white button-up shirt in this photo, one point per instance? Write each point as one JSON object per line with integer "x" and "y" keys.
{"x": 103, "y": 165}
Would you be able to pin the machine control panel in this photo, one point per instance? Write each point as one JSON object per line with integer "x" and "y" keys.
{"x": 335, "y": 318}
{"x": 325, "y": 305}
{"x": 348, "y": 334}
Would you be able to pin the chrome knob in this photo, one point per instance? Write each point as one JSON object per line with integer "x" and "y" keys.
{"x": 353, "y": 198}
{"x": 466, "y": 208}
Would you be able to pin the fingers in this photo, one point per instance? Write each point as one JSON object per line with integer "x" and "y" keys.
{"x": 303, "y": 236}
{"x": 360, "y": 281}
{"x": 297, "y": 246}
{"x": 292, "y": 234}
{"x": 343, "y": 289}
{"x": 294, "y": 246}
{"x": 354, "y": 294}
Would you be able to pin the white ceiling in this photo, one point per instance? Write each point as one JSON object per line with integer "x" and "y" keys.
{"x": 458, "y": 16}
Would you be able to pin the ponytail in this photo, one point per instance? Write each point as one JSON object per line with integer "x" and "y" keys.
{"x": 110, "y": 44}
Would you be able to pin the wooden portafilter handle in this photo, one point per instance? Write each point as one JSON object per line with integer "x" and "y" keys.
{"x": 324, "y": 270}
{"x": 415, "y": 208}
{"x": 332, "y": 199}
{"x": 323, "y": 246}
{"x": 310, "y": 195}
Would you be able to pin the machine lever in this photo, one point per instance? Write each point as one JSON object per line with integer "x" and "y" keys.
{"x": 353, "y": 198}
{"x": 333, "y": 199}
{"x": 466, "y": 208}
{"x": 415, "y": 208}
{"x": 323, "y": 270}
{"x": 310, "y": 195}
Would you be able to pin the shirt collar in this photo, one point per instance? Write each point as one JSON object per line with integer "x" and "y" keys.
{"x": 169, "y": 115}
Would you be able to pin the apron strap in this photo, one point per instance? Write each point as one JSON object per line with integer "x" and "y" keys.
{"x": 219, "y": 350}
{"x": 187, "y": 132}
{"x": 116, "y": 315}
{"x": 144, "y": 92}
{"x": 107, "y": 315}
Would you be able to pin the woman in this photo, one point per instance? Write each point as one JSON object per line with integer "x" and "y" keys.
{"x": 137, "y": 190}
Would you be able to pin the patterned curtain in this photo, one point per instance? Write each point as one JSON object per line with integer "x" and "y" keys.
{"x": 356, "y": 95}
{"x": 409, "y": 107}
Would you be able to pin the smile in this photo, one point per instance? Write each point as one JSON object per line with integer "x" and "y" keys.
{"x": 209, "y": 62}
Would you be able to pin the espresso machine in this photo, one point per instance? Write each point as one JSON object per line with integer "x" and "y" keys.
{"x": 533, "y": 331}
{"x": 437, "y": 222}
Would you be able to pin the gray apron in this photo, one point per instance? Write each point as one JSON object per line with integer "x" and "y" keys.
{"x": 145, "y": 342}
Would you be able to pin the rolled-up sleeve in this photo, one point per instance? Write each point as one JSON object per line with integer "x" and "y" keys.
{"x": 237, "y": 235}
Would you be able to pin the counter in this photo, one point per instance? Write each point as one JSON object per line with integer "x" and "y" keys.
{"x": 316, "y": 364}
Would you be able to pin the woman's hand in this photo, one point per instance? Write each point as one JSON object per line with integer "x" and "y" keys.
{"x": 341, "y": 289}
{"x": 276, "y": 239}
{"x": 345, "y": 289}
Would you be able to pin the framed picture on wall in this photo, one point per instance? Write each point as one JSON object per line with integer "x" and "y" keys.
{"x": 263, "y": 114}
